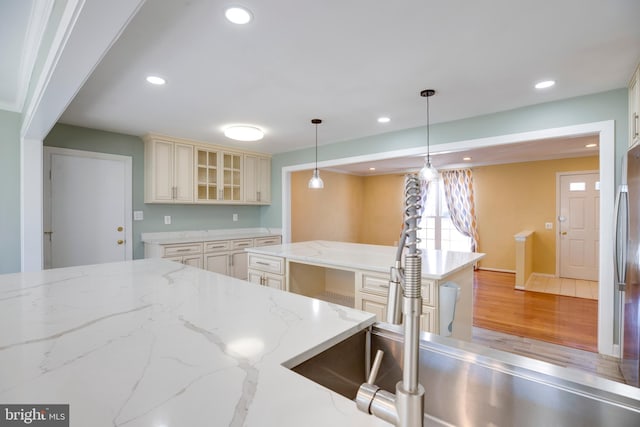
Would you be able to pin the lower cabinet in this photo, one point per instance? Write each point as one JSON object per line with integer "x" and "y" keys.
{"x": 226, "y": 257}
{"x": 371, "y": 296}
{"x": 266, "y": 270}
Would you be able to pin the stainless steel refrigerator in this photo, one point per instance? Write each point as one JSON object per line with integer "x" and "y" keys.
{"x": 628, "y": 267}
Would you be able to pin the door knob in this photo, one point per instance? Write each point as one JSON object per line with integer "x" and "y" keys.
{"x": 120, "y": 241}
{"x": 120, "y": 228}
{"x": 564, "y": 233}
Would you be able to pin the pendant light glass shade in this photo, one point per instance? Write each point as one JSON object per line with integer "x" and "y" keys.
{"x": 428, "y": 172}
{"x": 316, "y": 182}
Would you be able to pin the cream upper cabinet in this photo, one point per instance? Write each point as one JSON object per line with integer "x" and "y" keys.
{"x": 257, "y": 179}
{"x": 168, "y": 171}
{"x": 218, "y": 176}
{"x": 634, "y": 107}
{"x": 184, "y": 171}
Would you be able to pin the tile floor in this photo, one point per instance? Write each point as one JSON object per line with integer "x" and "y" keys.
{"x": 561, "y": 286}
{"x": 602, "y": 366}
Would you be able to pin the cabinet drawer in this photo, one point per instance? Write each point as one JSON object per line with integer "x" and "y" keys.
{"x": 219, "y": 246}
{"x": 179, "y": 250}
{"x": 375, "y": 283}
{"x": 269, "y": 264}
{"x": 266, "y": 241}
{"x": 241, "y": 244}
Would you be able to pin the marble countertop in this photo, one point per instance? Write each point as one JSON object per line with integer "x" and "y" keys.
{"x": 171, "y": 237}
{"x": 356, "y": 256}
{"x": 158, "y": 344}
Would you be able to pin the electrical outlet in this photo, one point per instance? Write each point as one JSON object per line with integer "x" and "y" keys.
{"x": 548, "y": 225}
{"x": 235, "y": 217}
{"x": 167, "y": 219}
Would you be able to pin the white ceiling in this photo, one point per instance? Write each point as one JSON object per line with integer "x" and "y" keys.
{"x": 349, "y": 62}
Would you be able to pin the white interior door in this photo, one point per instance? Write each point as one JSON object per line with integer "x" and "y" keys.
{"x": 578, "y": 225}
{"x": 88, "y": 208}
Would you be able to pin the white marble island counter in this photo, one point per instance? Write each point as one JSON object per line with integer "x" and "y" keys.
{"x": 357, "y": 275}
{"x": 157, "y": 344}
{"x": 435, "y": 264}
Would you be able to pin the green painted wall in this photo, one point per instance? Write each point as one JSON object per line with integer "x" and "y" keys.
{"x": 611, "y": 105}
{"x": 10, "y": 191}
{"x": 184, "y": 217}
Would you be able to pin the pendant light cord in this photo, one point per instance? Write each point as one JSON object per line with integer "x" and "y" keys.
{"x": 428, "y": 150}
{"x": 317, "y": 146}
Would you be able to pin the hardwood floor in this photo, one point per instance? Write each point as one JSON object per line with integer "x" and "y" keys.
{"x": 557, "y": 319}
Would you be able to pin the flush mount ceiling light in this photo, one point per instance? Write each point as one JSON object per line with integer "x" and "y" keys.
{"x": 244, "y": 133}
{"x": 591, "y": 145}
{"x": 384, "y": 119}
{"x": 316, "y": 182}
{"x": 156, "y": 80}
{"x": 428, "y": 172}
{"x": 238, "y": 15}
{"x": 466, "y": 159}
{"x": 545, "y": 84}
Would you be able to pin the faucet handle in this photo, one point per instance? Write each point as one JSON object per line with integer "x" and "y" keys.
{"x": 375, "y": 367}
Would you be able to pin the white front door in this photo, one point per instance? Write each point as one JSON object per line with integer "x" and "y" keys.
{"x": 87, "y": 208}
{"x": 578, "y": 225}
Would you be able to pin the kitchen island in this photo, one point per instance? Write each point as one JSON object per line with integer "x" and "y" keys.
{"x": 357, "y": 275}
{"x": 154, "y": 343}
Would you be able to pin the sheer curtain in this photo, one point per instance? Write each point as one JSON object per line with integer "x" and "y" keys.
{"x": 458, "y": 190}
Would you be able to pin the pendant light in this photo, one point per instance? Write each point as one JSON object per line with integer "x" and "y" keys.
{"x": 428, "y": 172}
{"x": 316, "y": 182}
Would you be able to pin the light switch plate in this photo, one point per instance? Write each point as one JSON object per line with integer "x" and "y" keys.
{"x": 548, "y": 225}
{"x": 235, "y": 217}
{"x": 138, "y": 215}
{"x": 167, "y": 219}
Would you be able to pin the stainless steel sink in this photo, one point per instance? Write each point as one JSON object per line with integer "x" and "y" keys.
{"x": 470, "y": 385}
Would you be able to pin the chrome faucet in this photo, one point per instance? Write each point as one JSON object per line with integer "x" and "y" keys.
{"x": 405, "y": 407}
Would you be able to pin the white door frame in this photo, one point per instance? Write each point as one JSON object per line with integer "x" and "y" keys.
{"x": 558, "y": 202}
{"x": 605, "y": 130}
{"x": 128, "y": 194}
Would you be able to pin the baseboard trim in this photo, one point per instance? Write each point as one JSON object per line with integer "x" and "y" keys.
{"x": 499, "y": 270}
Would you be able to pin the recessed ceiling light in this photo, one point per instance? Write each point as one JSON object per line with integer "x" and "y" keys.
{"x": 372, "y": 169}
{"x": 244, "y": 133}
{"x": 466, "y": 159}
{"x": 238, "y": 15}
{"x": 591, "y": 145}
{"x": 384, "y": 119}
{"x": 545, "y": 84}
{"x": 156, "y": 80}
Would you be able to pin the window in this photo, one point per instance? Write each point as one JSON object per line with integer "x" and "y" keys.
{"x": 436, "y": 230}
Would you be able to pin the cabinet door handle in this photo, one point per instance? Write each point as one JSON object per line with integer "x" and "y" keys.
{"x": 266, "y": 264}
{"x": 258, "y": 195}
{"x": 635, "y": 125}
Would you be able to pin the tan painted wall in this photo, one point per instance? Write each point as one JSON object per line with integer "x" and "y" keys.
{"x": 348, "y": 209}
{"x": 328, "y": 214}
{"x": 382, "y": 210}
{"x": 516, "y": 197}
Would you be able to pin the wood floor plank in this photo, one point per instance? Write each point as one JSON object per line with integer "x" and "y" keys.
{"x": 563, "y": 320}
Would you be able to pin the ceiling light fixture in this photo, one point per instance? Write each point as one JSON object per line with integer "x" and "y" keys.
{"x": 316, "y": 182}
{"x": 384, "y": 119}
{"x": 545, "y": 84}
{"x": 372, "y": 169}
{"x": 156, "y": 80}
{"x": 428, "y": 172}
{"x": 244, "y": 133}
{"x": 466, "y": 159}
{"x": 238, "y": 15}
{"x": 591, "y": 145}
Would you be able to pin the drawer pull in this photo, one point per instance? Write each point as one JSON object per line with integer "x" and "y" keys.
{"x": 263, "y": 263}
{"x": 183, "y": 250}
{"x": 217, "y": 247}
